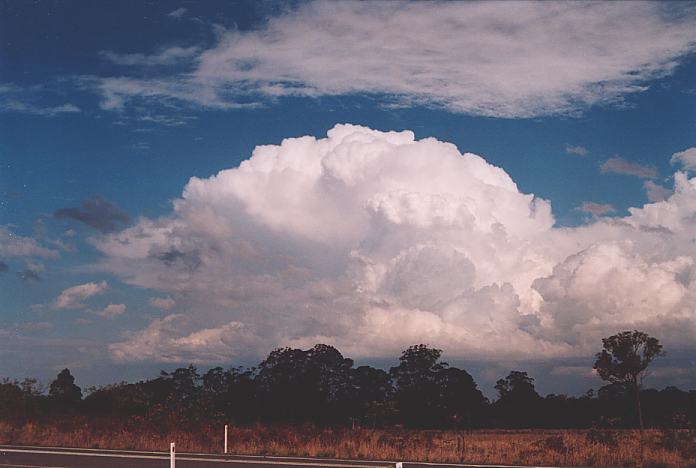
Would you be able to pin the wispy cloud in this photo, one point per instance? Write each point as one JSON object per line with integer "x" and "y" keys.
{"x": 618, "y": 165}
{"x": 12, "y": 245}
{"x": 24, "y": 100}
{"x": 25, "y": 108}
{"x": 168, "y": 56}
{"x": 177, "y": 14}
{"x": 72, "y": 298}
{"x": 521, "y": 59}
{"x": 596, "y": 209}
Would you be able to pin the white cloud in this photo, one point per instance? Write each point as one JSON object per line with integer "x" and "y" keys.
{"x": 577, "y": 150}
{"x": 686, "y": 158}
{"x": 112, "y": 310}
{"x": 618, "y": 165}
{"x": 372, "y": 241}
{"x": 12, "y": 245}
{"x": 519, "y": 59}
{"x": 162, "y": 341}
{"x": 72, "y": 298}
{"x": 165, "y": 303}
{"x": 655, "y": 192}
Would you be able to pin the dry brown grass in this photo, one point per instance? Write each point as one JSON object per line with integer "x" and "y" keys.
{"x": 525, "y": 447}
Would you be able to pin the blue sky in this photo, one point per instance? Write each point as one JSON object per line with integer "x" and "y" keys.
{"x": 108, "y": 110}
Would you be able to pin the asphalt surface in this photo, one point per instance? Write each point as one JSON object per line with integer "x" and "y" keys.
{"x": 12, "y": 456}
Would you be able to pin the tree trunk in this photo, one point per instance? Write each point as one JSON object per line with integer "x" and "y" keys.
{"x": 636, "y": 388}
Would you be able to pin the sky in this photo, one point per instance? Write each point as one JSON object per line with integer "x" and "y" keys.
{"x": 203, "y": 182}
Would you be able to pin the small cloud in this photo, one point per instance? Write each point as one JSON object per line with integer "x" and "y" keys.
{"x": 572, "y": 370}
{"x": 141, "y": 147}
{"x": 112, "y": 310}
{"x": 28, "y": 275}
{"x": 31, "y": 272}
{"x": 686, "y": 158}
{"x": 82, "y": 321}
{"x": 72, "y": 298}
{"x": 577, "y": 150}
{"x": 23, "y": 100}
{"x": 656, "y": 192}
{"x": 595, "y": 209}
{"x": 96, "y": 212}
{"x": 12, "y": 245}
{"x": 37, "y": 326}
{"x": 26, "y": 108}
{"x": 622, "y": 166}
{"x": 165, "y": 303}
{"x": 169, "y": 56}
{"x": 166, "y": 120}
{"x": 177, "y": 14}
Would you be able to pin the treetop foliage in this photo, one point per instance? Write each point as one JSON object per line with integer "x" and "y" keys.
{"x": 321, "y": 386}
{"x": 626, "y": 356}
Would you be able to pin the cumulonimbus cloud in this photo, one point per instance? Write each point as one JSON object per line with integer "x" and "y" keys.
{"x": 521, "y": 59}
{"x": 372, "y": 241}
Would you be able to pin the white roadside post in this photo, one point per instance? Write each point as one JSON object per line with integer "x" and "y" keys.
{"x": 225, "y": 438}
{"x": 172, "y": 455}
{"x": 399, "y": 464}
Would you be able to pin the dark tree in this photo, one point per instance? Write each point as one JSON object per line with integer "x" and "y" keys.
{"x": 371, "y": 391}
{"x": 183, "y": 391}
{"x": 461, "y": 402}
{"x": 11, "y": 399}
{"x": 63, "y": 390}
{"x": 416, "y": 385}
{"x": 299, "y": 385}
{"x": 625, "y": 360}
{"x": 518, "y": 402}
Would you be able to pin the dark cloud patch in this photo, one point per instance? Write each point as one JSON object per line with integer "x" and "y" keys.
{"x": 173, "y": 257}
{"x": 3, "y": 267}
{"x": 96, "y": 212}
{"x": 29, "y": 275}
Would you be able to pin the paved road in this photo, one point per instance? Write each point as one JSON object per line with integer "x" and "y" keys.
{"x": 44, "y": 457}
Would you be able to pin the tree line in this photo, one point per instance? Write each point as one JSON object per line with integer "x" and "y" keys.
{"x": 320, "y": 386}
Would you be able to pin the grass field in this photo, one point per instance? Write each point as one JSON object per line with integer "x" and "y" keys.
{"x": 526, "y": 447}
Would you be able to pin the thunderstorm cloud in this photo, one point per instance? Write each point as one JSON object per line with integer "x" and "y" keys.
{"x": 372, "y": 241}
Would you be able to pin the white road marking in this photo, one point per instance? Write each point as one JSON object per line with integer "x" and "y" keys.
{"x": 184, "y": 458}
{"x": 29, "y": 466}
{"x": 363, "y": 462}
{"x": 252, "y": 459}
